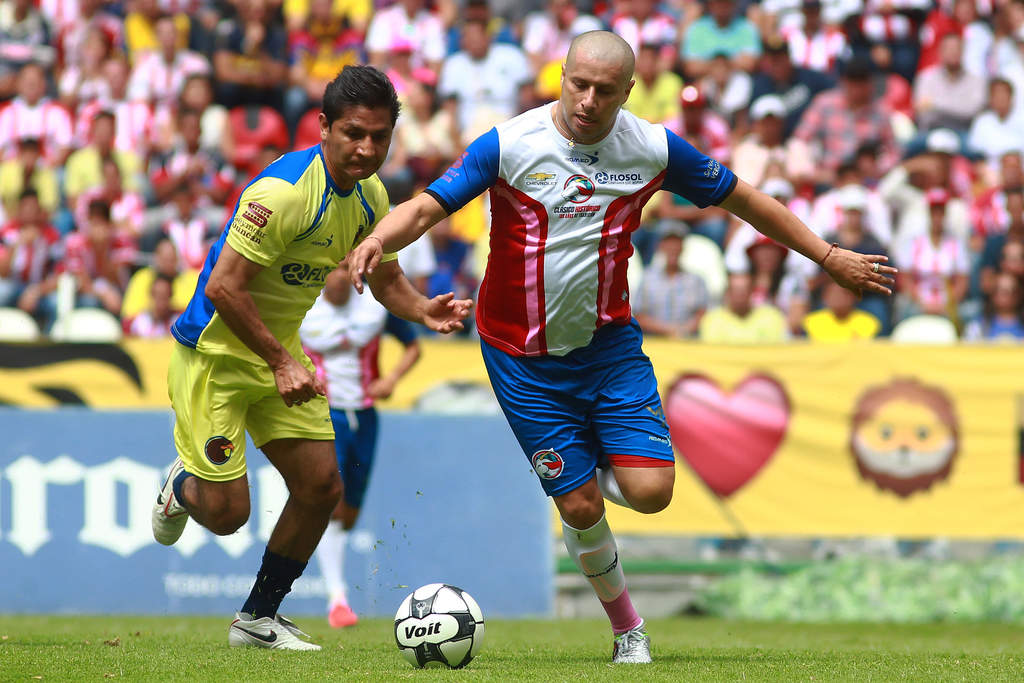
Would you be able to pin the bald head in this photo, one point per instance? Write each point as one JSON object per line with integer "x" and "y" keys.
{"x": 602, "y": 47}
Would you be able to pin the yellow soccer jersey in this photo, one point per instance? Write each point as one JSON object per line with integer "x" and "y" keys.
{"x": 293, "y": 220}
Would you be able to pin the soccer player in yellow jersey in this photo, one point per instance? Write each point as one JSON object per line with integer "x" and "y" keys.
{"x": 239, "y": 363}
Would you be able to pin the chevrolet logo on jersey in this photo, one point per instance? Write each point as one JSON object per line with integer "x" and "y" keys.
{"x": 304, "y": 275}
{"x": 539, "y": 178}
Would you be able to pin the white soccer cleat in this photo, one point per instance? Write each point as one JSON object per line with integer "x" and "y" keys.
{"x": 169, "y": 517}
{"x": 275, "y": 633}
{"x": 632, "y": 647}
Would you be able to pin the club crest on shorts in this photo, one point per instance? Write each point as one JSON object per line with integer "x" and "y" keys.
{"x": 219, "y": 449}
{"x": 547, "y": 464}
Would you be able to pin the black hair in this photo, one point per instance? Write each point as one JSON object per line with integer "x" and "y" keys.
{"x": 99, "y": 208}
{"x": 359, "y": 86}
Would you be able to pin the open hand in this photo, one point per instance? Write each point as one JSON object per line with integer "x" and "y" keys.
{"x": 444, "y": 313}
{"x": 860, "y": 273}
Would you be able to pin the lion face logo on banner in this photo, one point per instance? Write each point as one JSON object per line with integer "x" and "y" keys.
{"x": 905, "y": 436}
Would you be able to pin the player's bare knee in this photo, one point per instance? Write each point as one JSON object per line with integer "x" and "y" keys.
{"x": 227, "y": 519}
{"x": 652, "y": 501}
{"x": 322, "y": 492}
{"x": 581, "y": 512}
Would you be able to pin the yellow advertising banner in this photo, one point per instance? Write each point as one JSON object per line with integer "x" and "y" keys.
{"x": 797, "y": 439}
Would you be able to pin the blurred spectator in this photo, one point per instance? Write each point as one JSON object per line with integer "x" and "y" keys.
{"x": 998, "y": 129}
{"x": 426, "y": 133}
{"x": 640, "y": 21}
{"x": 187, "y": 226}
{"x": 160, "y": 74}
{"x": 655, "y": 93}
{"x": 1003, "y": 316}
{"x": 887, "y": 31}
{"x": 479, "y": 10}
{"x": 142, "y": 33}
{"x": 993, "y": 253}
{"x": 702, "y": 128}
{"x": 251, "y": 58}
{"x": 24, "y": 37}
{"x": 991, "y": 212}
{"x": 670, "y": 301}
{"x": 98, "y": 258}
{"x": 137, "y": 295}
{"x": 738, "y": 321}
{"x": 904, "y": 188}
{"x": 547, "y": 33}
{"x": 354, "y": 13}
{"x": 84, "y": 81}
{"x": 73, "y": 27}
{"x": 830, "y": 207}
{"x": 155, "y": 322}
{"x": 765, "y": 145}
{"x": 935, "y": 268}
{"x": 412, "y": 21}
{"x": 84, "y": 169}
{"x": 318, "y": 50}
{"x": 188, "y": 162}
{"x": 796, "y": 86}
{"x": 947, "y": 95}
{"x": 133, "y": 118}
{"x": 126, "y": 206}
{"x": 977, "y": 35}
{"x": 33, "y": 115}
{"x": 814, "y": 44}
{"x": 840, "y": 321}
{"x": 418, "y": 263}
{"x": 28, "y": 246}
{"x": 842, "y": 119}
{"x": 215, "y": 135}
{"x": 28, "y": 170}
{"x": 727, "y": 89}
{"x": 486, "y": 79}
{"x": 720, "y": 31}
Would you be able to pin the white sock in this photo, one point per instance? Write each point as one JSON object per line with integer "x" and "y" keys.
{"x": 595, "y": 554}
{"x": 609, "y": 486}
{"x": 331, "y": 556}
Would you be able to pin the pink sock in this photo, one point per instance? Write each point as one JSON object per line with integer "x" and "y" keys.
{"x": 621, "y": 613}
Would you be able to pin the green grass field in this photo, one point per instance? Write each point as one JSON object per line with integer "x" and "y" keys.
{"x": 195, "y": 649}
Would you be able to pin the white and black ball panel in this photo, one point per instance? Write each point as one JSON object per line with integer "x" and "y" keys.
{"x": 439, "y": 625}
{"x": 424, "y": 592}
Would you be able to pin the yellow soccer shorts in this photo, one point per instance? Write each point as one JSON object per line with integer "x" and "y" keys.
{"x": 217, "y": 398}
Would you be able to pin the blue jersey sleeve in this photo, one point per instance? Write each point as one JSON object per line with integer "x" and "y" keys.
{"x": 402, "y": 330}
{"x": 470, "y": 175}
{"x": 694, "y": 175}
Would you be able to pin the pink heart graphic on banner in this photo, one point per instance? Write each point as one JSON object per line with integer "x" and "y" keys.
{"x": 727, "y": 437}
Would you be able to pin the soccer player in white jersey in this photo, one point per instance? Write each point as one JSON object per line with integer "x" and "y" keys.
{"x": 567, "y": 183}
{"x": 341, "y": 335}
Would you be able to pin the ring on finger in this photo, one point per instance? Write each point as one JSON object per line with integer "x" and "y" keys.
{"x": 874, "y": 268}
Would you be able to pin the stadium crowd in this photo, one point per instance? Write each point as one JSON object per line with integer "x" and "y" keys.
{"x": 129, "y": 128}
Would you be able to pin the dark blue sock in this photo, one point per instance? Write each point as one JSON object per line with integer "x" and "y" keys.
{"x": 273, "y": 582}
{"x": 177, "y": 484}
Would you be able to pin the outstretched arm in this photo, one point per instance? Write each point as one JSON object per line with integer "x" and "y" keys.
{"x": 443, "y": 313}
{"x": 850, "y": 269}
{"x": 400, "y": 228}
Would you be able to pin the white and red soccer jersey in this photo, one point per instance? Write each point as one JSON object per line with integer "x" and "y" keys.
{"x": 46, "y": 120}
{"x": 659, "y": 29}
{"x": 343, "y": 343}
{"x": 155, "y": 80}
{"x": 818, "y": 52}
{"x": 133, "y": 121}
{"x": 31, "y": 260}
{"x": 561, "y": 219}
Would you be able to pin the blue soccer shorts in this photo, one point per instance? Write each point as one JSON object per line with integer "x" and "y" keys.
{"x": 355, "y": 443}
{"x": 595, "y": 405}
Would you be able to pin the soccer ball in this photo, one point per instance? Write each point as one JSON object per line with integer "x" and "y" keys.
{"x": 439, "y": 625}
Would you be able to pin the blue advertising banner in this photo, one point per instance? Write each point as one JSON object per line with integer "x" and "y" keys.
{"x": 451, "y": 499}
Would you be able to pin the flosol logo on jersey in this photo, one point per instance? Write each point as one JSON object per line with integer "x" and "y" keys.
{"x": 604, "y": 178}
{"x": 77, "y": 486}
